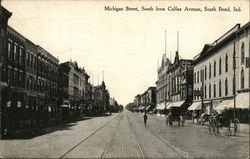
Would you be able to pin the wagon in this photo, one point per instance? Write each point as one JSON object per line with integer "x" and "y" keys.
{"x": 175, "y": 115}
{"x": 225, "y": 119}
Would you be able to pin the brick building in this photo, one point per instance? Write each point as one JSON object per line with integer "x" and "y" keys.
{"x": 214, "y": 71}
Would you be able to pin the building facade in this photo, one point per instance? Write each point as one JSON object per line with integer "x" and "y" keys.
{"x": 221, "y": 72}
{"x": 4, "y": 17}
{"x": 73, "y": 87}
{"x": 101, "y": 99}
{"x": 174, "y": 85}
{"x": 162, "y": 83}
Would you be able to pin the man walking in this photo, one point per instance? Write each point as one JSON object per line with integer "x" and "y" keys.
{"x": 145, "y": 118}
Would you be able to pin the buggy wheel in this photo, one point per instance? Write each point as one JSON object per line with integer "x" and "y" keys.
{"x": 236, "y": 127}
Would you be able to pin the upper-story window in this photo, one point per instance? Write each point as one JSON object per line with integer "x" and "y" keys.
{"x": 195, "y": 77}
{"x": 226, "y": 63}
{"x": 242, "y": 52}
{"x": 15, "y": 52}
{"x": 220, "y": 66}
{"x": 28, "y": 58}
{"x": 9, "y": 49}
{"x": 198, "y": 77}
{"x": 226, "y": 87}
{"x": 205, "y": 92}
{"x": 209, "y": 90}
{"x": 214, "y": 90}
{"x": 242, "y": 79}
{"x": 209, "y": 70}
{"x": 220, "y": 88}
{"x": 205, "y": 72}
{"x": 214, "y": 68}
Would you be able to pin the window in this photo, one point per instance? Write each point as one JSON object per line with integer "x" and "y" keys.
{"x": 226, "y": 87}
{"x": 226, "y": 63}
{"x": 242, "y": 79}
{"x": 209, "y": 90}
{"x": 214, "y": 90}
{"x": 242, "y": 52}
{"x": 205, "y": 72}
{"x": 201, "y": 72}
{"x": 205, "y": 91}
{"x": 209, "y": 70}
{"x": 220, "y": 88}
{"x": 9, "y": 49}
{"x": 21, "y": 55}
{"x": 198, "y": 77}
{"x": 220, "y": 66}
{"x": 31, "y": 60}
{"x": 15, "y": 52}
{"x": 28, "y": 58}
{"x": 195, "y": 77}
{"x": 214, "y": 68}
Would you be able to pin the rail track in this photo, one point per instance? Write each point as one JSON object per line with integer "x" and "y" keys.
{"x": 86, "y": 138}
{"x": 181, "y": 153}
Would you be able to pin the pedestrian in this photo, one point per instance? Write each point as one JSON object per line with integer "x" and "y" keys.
{"x": 145, "y": 118}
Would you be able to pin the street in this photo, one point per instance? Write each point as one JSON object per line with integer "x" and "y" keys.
{"x": 123, "y": 135}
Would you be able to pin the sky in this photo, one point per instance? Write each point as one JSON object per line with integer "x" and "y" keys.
{"x": 126, "y": 45}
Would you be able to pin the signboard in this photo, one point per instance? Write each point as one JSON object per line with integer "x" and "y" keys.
{"x": 197, "y": 93}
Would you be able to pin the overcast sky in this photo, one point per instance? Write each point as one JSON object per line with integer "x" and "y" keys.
{"x": 126, "y": 45}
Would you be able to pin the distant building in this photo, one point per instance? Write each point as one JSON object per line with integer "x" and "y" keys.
{"x": 101, "y": 99}
{"x": 73, "y": 86}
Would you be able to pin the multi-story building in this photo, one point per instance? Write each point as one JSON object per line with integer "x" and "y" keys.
{"x": 180, "y": 82}
{"x": 101, "y": 99}
{"x": 162, "y": 83}
{"x": 174, "y": 84}
{"x": 215, "y": 68}
{"x": 31, "y": 82}
{"x": 73, "y": 86}
{"x": 151, "y": 98}
{"x": 4, "y": 16}
{"x": 47, "y": 84}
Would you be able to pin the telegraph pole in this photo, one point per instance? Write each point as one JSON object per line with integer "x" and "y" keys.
{"x": 202, "y": 90}
{"x": 234, "y": 84}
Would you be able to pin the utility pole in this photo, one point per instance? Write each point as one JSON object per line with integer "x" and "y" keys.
{"x": 234, "y": 84}
{"x": 202, "y": 90}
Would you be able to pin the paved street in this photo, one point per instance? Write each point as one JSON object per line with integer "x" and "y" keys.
{"x": 124, "y": 135}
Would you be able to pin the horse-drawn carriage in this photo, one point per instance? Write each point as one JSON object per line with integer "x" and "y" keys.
{"x": 225, "y": 119}
{"x": 175, "y": 115}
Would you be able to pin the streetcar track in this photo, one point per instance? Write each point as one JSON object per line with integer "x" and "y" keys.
{"x": 181, "y": 153}
{"x": 83, "y": 140}
{"x": 137, "y": 140}
{"x": 111, "y": 139}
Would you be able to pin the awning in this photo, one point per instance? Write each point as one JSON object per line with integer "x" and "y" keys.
{"x": 223, "y": 105}
{"x": 64, "y": 106}
{"x": 142, "y": 107}
{"x": 147, "y": 107}
{"x": 195, "y": 106}
{"x": 160, "y": 106}
{"x": 242, "y": 102}
{"x": 177, "y": 104}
